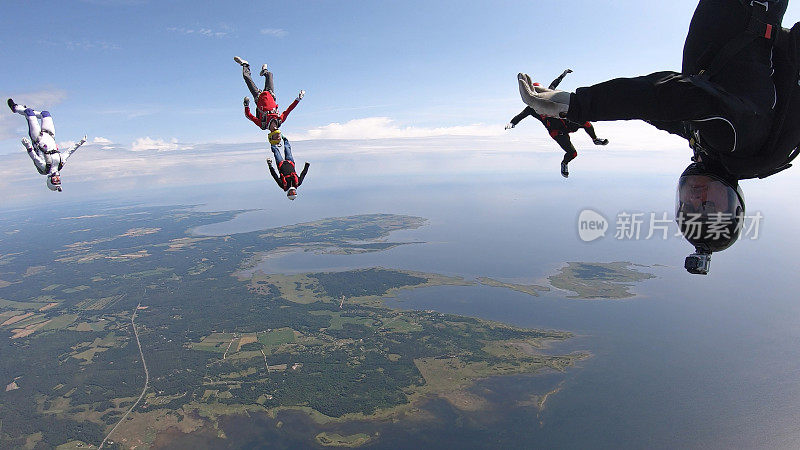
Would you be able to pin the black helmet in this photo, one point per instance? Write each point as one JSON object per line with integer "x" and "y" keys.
{"x": 709, "y": 207}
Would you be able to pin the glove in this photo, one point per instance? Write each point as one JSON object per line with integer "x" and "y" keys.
{"x": 548, "y": 102}
{"x": 269, "y": 161}
{"x": 83, "y": 140}
{"x": 301, "y": 95}
{"x": 509, "y": 126}
{"x": 27, "y": 143}
{"x": 246, "y": 102}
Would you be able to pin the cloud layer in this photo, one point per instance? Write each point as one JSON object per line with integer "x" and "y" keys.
{"x": 385, "y": 128}
{"x": 372, "y": 148}
{"x": 160, "y": 145}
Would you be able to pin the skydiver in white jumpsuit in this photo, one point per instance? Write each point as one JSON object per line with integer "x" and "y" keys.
{"x": 42, "y": 146}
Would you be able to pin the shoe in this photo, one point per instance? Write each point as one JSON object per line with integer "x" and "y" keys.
{"x": 240, "y": 61}
{"x": 263, "y": 70}
{"x": 564, "y": 170}
{"x": 600, "y": 141}
{"x": 548, "y": 102}
{"x": 11, "y": 105}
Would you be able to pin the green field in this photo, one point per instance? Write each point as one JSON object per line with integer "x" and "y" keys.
{"x": 26, "y": 306}
{"x": 276, "y": 338}
{"x": 60, "y": 322}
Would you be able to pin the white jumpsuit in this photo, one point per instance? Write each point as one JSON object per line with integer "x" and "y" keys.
{"x": 42, "y": 147}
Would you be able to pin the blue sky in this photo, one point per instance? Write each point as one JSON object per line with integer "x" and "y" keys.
{"x": 160, "y": 74}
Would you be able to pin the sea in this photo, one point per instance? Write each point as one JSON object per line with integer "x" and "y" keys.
{"x": 689, "y": 362}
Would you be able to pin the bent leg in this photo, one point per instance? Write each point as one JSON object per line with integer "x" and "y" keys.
{"x": 660, "y": 96}
{"x": 18, "y": 109}
{"x": 248, "y": 80}
{"x": 590, "y": 130}
{"x": 566, "y": 144}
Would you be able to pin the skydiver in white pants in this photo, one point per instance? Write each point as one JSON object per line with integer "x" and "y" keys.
{"x": 42, "y": 146}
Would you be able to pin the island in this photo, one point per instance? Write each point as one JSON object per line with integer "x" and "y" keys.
{"x": 599, "y": 280}
{"x": 222, "y": 339}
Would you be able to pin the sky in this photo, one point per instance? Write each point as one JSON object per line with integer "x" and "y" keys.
{"x": 153, "y": 83}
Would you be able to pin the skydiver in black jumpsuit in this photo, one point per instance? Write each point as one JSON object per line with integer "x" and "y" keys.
{"x": 559, "y": 129}
{"x": 725, "y": 110}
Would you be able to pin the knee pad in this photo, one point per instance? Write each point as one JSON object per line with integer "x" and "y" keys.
{"x": 29, "y": 112}
{"x": 46, "y": 114}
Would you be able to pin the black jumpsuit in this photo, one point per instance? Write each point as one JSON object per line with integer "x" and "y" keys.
{"x": 559, "y": 129}
{"x": 730, "y": 114}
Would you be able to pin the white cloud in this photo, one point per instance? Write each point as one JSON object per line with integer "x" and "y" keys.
{"x": 160, "y": 145}
{"x": 277, "y": 32}
{"x": 385, "y": 127}
{"x": 104, "y": 143}
{"x": 202, "y": 31}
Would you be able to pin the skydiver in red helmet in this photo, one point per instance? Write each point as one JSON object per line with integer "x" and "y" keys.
{"x": 267, "y": 116}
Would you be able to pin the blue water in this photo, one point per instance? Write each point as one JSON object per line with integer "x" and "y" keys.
{"x": 708, "y": 362}
{"x": 694, "y": 361}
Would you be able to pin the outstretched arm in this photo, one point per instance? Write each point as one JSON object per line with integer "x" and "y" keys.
{"x": 252, "y": 118}
{"x": 303, "y": 174}
{"x": 557, "y": 81}
{"x": 37, "y": 158}
{"x": 274, "y": 174}
{"x": 289, "y": 109}
{"x": 528, "y": 111}
{"x": 65, "y": 155}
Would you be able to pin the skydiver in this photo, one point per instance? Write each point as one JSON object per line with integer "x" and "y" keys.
{"x": 267, "y": 117}
{"x": 41, "y": 146}
{"x": 559, "y": 128}
{"x": 723, "y": 102}
{"x": 286, "y": 176}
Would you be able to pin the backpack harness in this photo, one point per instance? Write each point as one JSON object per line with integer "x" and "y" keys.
{"x": 782, "y": 146}
{"x": 285, "y": 178}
